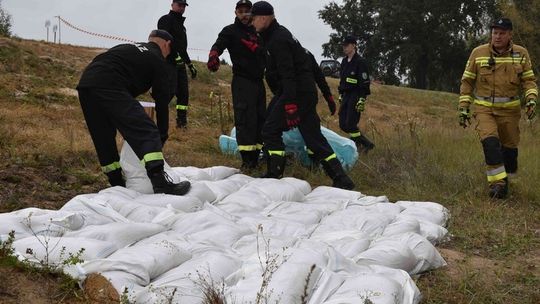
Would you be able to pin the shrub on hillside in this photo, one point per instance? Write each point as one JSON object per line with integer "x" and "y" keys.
{"x": 5, "y": 22}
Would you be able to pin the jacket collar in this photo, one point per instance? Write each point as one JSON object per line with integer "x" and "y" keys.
{"x": 239, "y": 23}
{"x": 508, "y": 50}
{"x": 271, "y": 29}
{"x": 177, "y": 16}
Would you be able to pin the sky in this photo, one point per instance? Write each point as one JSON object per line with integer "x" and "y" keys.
{"x": 134, "y": 19}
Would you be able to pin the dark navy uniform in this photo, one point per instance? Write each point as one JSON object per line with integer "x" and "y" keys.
{"x": 354, "y": 84}
{"x": 107, "y": 92}
{"x": 173, "y": 23}
{"x": 290, "y": 77}
{"x": 248, "y": 91}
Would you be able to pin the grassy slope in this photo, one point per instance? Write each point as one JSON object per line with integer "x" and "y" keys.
{"x": 47, "y": 158}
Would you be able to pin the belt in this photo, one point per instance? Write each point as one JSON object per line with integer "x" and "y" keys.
{"x": 497, "y": 99}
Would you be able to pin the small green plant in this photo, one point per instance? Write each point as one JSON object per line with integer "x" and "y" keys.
{"x": 6, "y": 247}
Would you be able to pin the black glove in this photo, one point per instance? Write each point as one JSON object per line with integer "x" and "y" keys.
{"x": 193, "y": 70}
{"x": 331, "y": 104}
{"x": 464, "y": 117}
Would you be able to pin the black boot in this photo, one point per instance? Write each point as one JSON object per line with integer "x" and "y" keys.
{"x": 249, "y": 160}
{"x": 499, "y": 190}
{"x": 181, "y": 118}
{"x": 162, "y": 183}
{"x": 275, "y": 166}
{"x": 366, "y": 144}
{"x": 115, "y": 178}
{"x": 510, "y": 156}
{"x": 335, "y": 171}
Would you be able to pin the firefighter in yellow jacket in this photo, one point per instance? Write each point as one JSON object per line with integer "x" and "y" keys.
{"x": 497, "y": 76}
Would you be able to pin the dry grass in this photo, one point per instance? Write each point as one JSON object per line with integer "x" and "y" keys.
{"x": 421, "y": 154}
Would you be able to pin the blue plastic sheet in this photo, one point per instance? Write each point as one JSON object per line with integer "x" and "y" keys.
{"x": 344, "y": 148}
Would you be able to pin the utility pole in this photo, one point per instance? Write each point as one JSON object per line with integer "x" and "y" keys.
{"x": 47, "y": 25}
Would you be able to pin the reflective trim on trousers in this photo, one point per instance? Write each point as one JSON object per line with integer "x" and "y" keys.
{"x": 496, "y": 174}
{"x": 111, "y": 167}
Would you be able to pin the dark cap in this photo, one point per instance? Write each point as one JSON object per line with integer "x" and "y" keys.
{"x": 161, "y": 34}
{"x": 502, "y": 23}
{"x": 183, "y": 2}
{"x": 349, "y": 40}
{"x": 243, "y": 3}
{"x": 262, "y": 8}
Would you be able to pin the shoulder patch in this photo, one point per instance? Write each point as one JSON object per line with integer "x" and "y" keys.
{"x": 364, "y": 75}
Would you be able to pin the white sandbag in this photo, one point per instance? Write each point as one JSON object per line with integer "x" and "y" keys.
{"x": 59, "y": 248}
{"x": 145, "y": 261}
{"x": 200, "y": 191}
{"x": 95, "y": 211}
{"x": 369, "y": 200}
{"x": 433, "y": 232}
{"x": 120, "y": 234}
{"x": 285, "y": 189}
{"x": 178, "y": 202}
{"x": 209, "y": 227}
{"x": 206, "y": 174}
{"x": 118, "y": 191}
{"x": 376, "y": 285}
{"x": 427, "y": 256}
{"x": 348, "y": 243}
{"x": 135, "y": 212}
{"x": 286, "y": 285}
{"x": 295, "y": 212}
{"x": 431, "y": 212}
{"x": 33, "y": 221}
{"x": 245, "y": 202}
{"x": 324, "y": 205}
{"x": 276, "y": 227}
{"x": 372, "y": 223}
{"x": 250, "y": 244}
{"x": 390, "y": 253}
{"x": 223, "y": 188}
{"x": 184, "y": 281}
{"x": 333, "y": 194}
{"x": 402, "y": 225}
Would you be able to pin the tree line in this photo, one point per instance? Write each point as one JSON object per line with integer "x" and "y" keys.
{"x": 426, "y": 43}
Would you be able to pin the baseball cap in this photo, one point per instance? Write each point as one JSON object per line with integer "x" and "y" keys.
{"x": 502, "y": 23}
{"x": 262, "y": 8}
{"x": 244, "y": 3}
{"x": 161, "y": 34}
{"x": 181, "y": 2}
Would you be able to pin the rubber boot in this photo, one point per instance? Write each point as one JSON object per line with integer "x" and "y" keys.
{"x": 115, "y": 178}
{"x": 275, "y": 166}
{"x": 510, "y": 156}
{"x": 162, "y": 182}
{"x": 181, "y": 119}
{"x": 335, "y": 171}
{"x": 249, "y": 160}
{"x": 499, "y": 189}
{"x": 366, "y": 144}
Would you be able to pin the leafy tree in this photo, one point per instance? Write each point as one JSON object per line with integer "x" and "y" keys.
{"x": 525, "y": 16}
{"x": 5, "y": 22}
{"x": 422, "y": 42}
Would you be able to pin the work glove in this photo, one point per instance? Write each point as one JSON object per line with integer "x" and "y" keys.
{"x": 331, "y": 104}
{"x": 291, "y": 115}
{"x": 531, "y": 109}
{"x": 361, "y": 105}
{"x": 213, "y": 61}
{"x": 193, "y": 70}
{"x": 464, "y": 117}
{"x": 250, "y": 44}
{"x": 178, "y": 61}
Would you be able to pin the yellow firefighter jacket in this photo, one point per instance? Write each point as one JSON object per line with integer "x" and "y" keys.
{"x": 498, "y": 80}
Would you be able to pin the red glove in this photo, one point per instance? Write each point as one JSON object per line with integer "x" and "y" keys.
{"x": 291, "y": 115}
{"x": 213, "y": 61}
{"x": 251, "y": 45}
{"x": 331, "y": 104}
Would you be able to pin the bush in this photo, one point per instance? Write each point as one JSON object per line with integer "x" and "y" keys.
{"x": 5, "y": 22}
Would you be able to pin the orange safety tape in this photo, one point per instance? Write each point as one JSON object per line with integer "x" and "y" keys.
{"x": 109, "y": 36}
